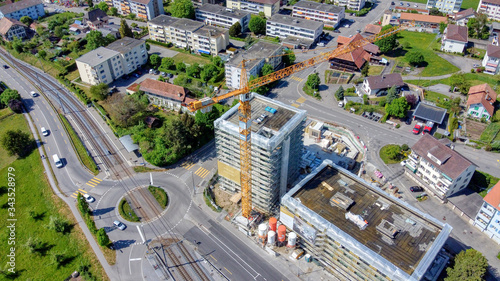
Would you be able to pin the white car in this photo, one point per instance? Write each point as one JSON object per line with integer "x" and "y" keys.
{"x": 44, "y": 131}
{"x": 33, "y": 94}
{"x": 341, "y": 104}
{"x": 120, "y": 225}
{"x": 88, "y": 198}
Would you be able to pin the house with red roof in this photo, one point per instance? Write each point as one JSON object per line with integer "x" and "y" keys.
{"x": 488, "y": 217}
{"x": 455, "y": 38}
{"x": 462, "y": 17}
{"x": 355, "y": 59}
{"x": 480, "y": 101}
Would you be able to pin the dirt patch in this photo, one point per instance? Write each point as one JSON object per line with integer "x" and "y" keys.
{"x": 474, "y": 128}
{"x": 223, "y": 200}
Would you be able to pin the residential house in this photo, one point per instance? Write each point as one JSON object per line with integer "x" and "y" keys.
{"x": 163, "y": 94}
{"x": 17, "y": 10}
{"x": 284, "y": 26}
{"x": 491, "y": 8}
{"x": 221, "y": 16}
{"x": 461, "y": 18}
{"x": 422, "y": 22}
{"x": 355, "y": 59}
{"x": 78, "y": 28}
{"x": 372, "y": 29}
{"x": 354, "y": 5}
{"x": 330, "y": 15}
{"x": 411, "y": 10}
{"x": 95, "y": 19}
{"x": 378, "y": 85}
{"x": 268, "y": 7}
{"x": 143, "y": 9}
{"x": 480, "y": 101}
{"x": 263, "y": 50}
{"x": 436, "y": 166}
{"x": 10, "y": 28}
{"x": 488, "y": 217}
{"x": 491, "y": 60}
{"x": 455, "y": 38}
{"x": 447, "y": 7}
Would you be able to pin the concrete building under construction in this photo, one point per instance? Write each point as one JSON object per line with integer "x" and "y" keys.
{"x": 359, "y": 232}
{"x": 276, "y": 150}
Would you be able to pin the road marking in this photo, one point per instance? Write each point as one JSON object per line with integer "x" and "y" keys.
{"x": 97, "y": 179}
{"x": 202, "y": 172}
{"x": 140, "y": 233}
{"x": 58, "y": 127}
{"x": 205, "y": 174}
{"x": 136, "y": 259}
{"x": 65, "y": 142}
{"x": 48, "y": 148}
{"x": 228, "y": 270}
{"x": 73, "y": 196}
{"x": 93, "y": 181}
{"x": 188, "y": 166}
{"x": 62, "y": 134}
{"x": 295, "y": 105}
{"x": 199, "y": 169}
{"x": 301, "y": 100}
{"x": 82, "y": 190}
{"x": 213, "y": 258}
{"x": 89, "y": 184}
{"x": 37, "y": 120}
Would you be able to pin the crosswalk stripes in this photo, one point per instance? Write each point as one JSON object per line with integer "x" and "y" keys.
{"x": 296, "y": 78}
{"x": 188, "y": 165}
{"x": 93, "y": 182}
{"x": 75, "y": 194}
{"x": 295, "y": 105}
{"x": 202, "y": 172}
{"x": 301, "y": 100}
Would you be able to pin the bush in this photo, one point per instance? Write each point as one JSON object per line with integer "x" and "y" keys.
{"x": 102, "y": 237}
{"x": 398, "y": 126}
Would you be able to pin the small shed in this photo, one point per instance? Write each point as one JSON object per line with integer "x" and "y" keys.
{"x": 128, "y": 143}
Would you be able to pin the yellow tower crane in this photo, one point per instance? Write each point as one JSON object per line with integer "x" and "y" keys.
{"x": 244, "y": 110}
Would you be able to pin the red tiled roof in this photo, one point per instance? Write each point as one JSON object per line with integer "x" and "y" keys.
{"x": 163, "y": 89}
{"x": 457, "y": 33}
{"x": 373, "y": 29}
{"x": 464, "y": 14}
{"x": 484, "y": 95}
{"x": 360, "y": 55}
{"x": 422, "y": 18}
{"x": 493, "y": 196}
{"x": 7, "y": 23}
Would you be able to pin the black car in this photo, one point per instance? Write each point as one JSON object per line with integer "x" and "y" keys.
{"x": 416, "y": 189}
{"x": 5, "y": 66}
{"x": 408, "y": 121}
{"x": 336, "y": 31}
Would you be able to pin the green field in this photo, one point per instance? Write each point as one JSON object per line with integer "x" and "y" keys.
{"x": 160, "y": 195}
{"x": 490, "y": 132}
{"x": 190, "y": 59}
{"x": 435, "y": 97}
{"x": 466, "y": 4}
{"x": 385, "y": 157}
{"x": 35, "y": 204}
{"x": 375, "y": 70}
{"x": 12, "y": 122}
{"x": 473, "y": 78}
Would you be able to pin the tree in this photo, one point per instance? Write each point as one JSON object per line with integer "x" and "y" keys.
{"x": 478, "y": 26}
{"x": 411, "y": 99}
{"x": 167, "y": 63}
{"x": 397, "y": 108}
{"x": 16, "y": 142}
{"x": 125, "y": 30}
{"x": 182, "y": 9}
{"x": 266, "y": 69}
{"x": 9, "y": 95}
{"x": 193, "y": 70}
{"x": 134, "y": 25}
{"x": 388, "y": 43}
{"x": 393, "y": 152}
{"x": 392, "y": 94}
{"x": 217, "y": 61}
{"x": 339, "y": 94}
{"x": 99, "y": 91}
{"x": 58, "y": 224}
{"x": 289, "y": 59}
{"x": 148, "y": 47}
{"x": 180, "y": 66}
{"x": 125, "y": 111}
{"x": 103, "y": 6}
{"x": 40, "y": 30}
{"x": 235, "y": 29}
{"x": 90, "y": 3}
{"x": 257, "y": 25}
{"x": 26, "y": 20}
{"x": 459, "y": 81}
{"x": 17, "y": 106}
{"x": 113, "y": 11}
{"x": 95, "y": 40}
{"x": 110, "y": 38}
{"x": 442, "y": 26}
{"x": 59, "y": 30}
{"x": 435, "y": 12}
{"x": 102, "y": 237}
{"x": 155, "y": 60}
{"x": 365, "y": 69}
{"x": 313, "y": 81}
{"x": 42, "y": 54}
{"x": 468, "y": 265}
{"x": 414, "y": 58}
{"x": 208, "y": 72}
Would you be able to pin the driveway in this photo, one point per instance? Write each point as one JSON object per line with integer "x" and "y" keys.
{"x": 463, "y": 63}
{"x": 161, "y": 51}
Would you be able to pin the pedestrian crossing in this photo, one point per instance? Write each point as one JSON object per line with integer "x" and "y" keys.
{"x": 295, "y": 105}
{"x": 296, "y": 78}
{"x": 301, "y": 100}
{"x": 75, "y": 194}
{"x": 202, "y": 172}
{"x": 93, "y": 182}
{"x": 188, "y": 165}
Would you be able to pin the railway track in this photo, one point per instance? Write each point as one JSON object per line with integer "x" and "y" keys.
{"x": 183, "y": 272}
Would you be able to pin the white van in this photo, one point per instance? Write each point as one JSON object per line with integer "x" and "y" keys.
{"x": 57, "y": 161}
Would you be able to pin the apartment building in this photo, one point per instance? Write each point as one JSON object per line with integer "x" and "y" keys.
{"x": 106, "y": 64}
{"x": 488, "y": 217}
{"x": 445, "y": 6}
{"x": 199, "y": 3}
{"x": 11, "y": 28}
{"x": 210, "y": 40}
{"x": 491, "y": 8}
{"x": 268, "y": 7}
{"x": 159, "y": 28}
{"x": 260, "y": 51}
{"x": 144, "y": 9}
{"x": 221, "y": 16}
{"x": 17, "y": 10}
{"x": 330, "y": 15}
{"x": 182, "y": 30}
{"x": 455, "y": 38}
{"x": 284, "y": 26}
{"x": 359, "y": 232}
{"x": 491, "y": 60}
{"x": 277, "y": 132}
{"x": 354, "y": 5}
{"x": 438, "y": 167}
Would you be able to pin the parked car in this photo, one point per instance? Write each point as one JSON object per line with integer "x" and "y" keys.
{"x": 428, "y": 127}
{"x": 416, "y": 6}
{"x": 416, "y": 189}
{"x": 139, "y": 72}
{"x": 33, "y": 94}
{"x": 151, "y": 71}
{"x": 336, "y": 31}
{"x": 358, "y": 31}
{"x": 163, "y": 74}
{"x": 88, "y": 198}
{"x": 5, "y": 66}
{"x": 341, "y": 104}
{"x": 119, "y": 225}
{"x": 170, "y": 75}
{"x": 392, "y": 3}
{"x": 346, "y": 25}
{"x": 401, "y": 4}
{"x": 417, "y": 128}
{"x": 407, "y": 4}
{"x": 408, "y": 121}
{"x": 321, "y": 44}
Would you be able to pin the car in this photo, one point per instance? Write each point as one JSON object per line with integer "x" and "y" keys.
{"x": 408, "y": 121}
{"x": 416, "y": 129}
{"x": 5, "y": 66}
{"x": 358, "y": 31}
{"x": 392, "y": 3}
{"x": 416, "y": 189}
{"x": 428, "y": 127}
{"x": 151, "y": 71}
{"x": 346, "y": 25}
{"x": 321, "y": 44}
{"x": 336, "y": 31}
{"x": 88, "y": 198}
{"x": 170, "y": 75}
{"x": 139, "y": 72}
{"x": 163, "y": 74}
{"x": 407, "y": 4}
{"x": 157, "y": 72}
{"x": 416, "y": 6}
{"x": 341, "y": 104}
{"x": 475, "y": 65}
{"x": 119, "y": 225}
{"x": 136, "y": 75}
{"x": 45, "y": 132}
{"x": 33, "y": 94}
{"x": 401, "y": 4}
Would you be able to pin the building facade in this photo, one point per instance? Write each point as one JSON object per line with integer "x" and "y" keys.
{"x": 17, "y": 10}
{"x": 455, "y": 38}
{"x": 359, "y": 232}
{"x": 330, "y": 15}
{"x": 95, "y": 19}
{"x": 261, "y": 49}
{"x": 379, "y": 85}
{"x": 488, "y": 217}
{"x": 462, "y": 17}
{"x": 480, "y": 101}
{"x": 277, "y": 132}
{"x": 354, "y": 5}
{"x": 163, "y": 94}
{"x": 221, "y": 16}
{"x": 447, "y": 7}
{"x": 210, "y": 40}
{"x": 283, "y": 26}
{"x": 11, "y": 28}
{"x": 491, "y": 8}
{"x": 491, "y": 60}
{"x": 144, "y": 9}
{"x": 268, "y": 7}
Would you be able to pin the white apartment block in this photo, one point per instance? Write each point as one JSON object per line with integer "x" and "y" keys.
{"x": 491, "y": 8}
{"x": 445, "y": 6}
{"x": 268, "y": 7}
{"x": 284, "y": 26}
{"x": 144, "y": 9}
{"x": 221, "y": 16}
{"x": 443, "y": 170}
{"x": 488, "y": 217}
{"x": 354, "y": 5}
{"x": 210, "y": 40}
{"x": 491, "y": 60}
{"x": 261, "y": 49}
{"x": 106, "y": 64}
{"x": 330, "y": 15}
{"x": 17, "y": 10}
{"x": 455, "y": 38}
{"x": 277, "y": 143}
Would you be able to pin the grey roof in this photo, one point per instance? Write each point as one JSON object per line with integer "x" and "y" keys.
{"x": 385, "y": 81}
{"x": 495, "y": 25}
{"x": 297, "y": 41}
{"x": 212, "y": 30}
{"x": 96, "y": 14}
{"x": 20, "y": 5}
{"x": 125, "y": 44}
{"x": 261, "y": 49}
{"x": 319, "y": 7}
{"x": 97, "y": 56}
{"x": 430, "y": 112}
{"x": 289, "y": 20}
{"x": 163, "y": 20}
{"x": 353, "y": 99}
{"x": 128, "y": 143}
{"x": 493, "y": 51}
{"x": 223, "y": 11}
{"x": 187, "y": 24}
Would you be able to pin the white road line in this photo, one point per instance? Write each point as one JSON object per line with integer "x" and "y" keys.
{"x": 129, "y": 259}
{"x": 140, "y": 233}
{"x": 137, "y": 259}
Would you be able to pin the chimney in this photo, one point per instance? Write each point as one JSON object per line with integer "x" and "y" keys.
{"x": 179, "y": 94}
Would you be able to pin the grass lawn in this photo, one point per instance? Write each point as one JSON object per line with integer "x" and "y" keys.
{"x": 142, "y": 169}
{"x": 383, "y": 153}
{"x": 435, "y": 97}
{"x": 414, "y": 1}
{"x": 473, "y": 78}
{"x": 73, "y": 75}
{"x": 13, "y": 122}
{"x": 466, "y": 4}
{"x": 190, "y": 59}
{"x": 490, "y": 132}
{"x": 5, "y": 112}
{"x": 160, "y": 195}
{"x": 374, "y": 70}
{"x": 482, "y": 182}
{"x": 60, "y": 15}
{"x": 126, "y": 211}
{"x": 35, "y": 203}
